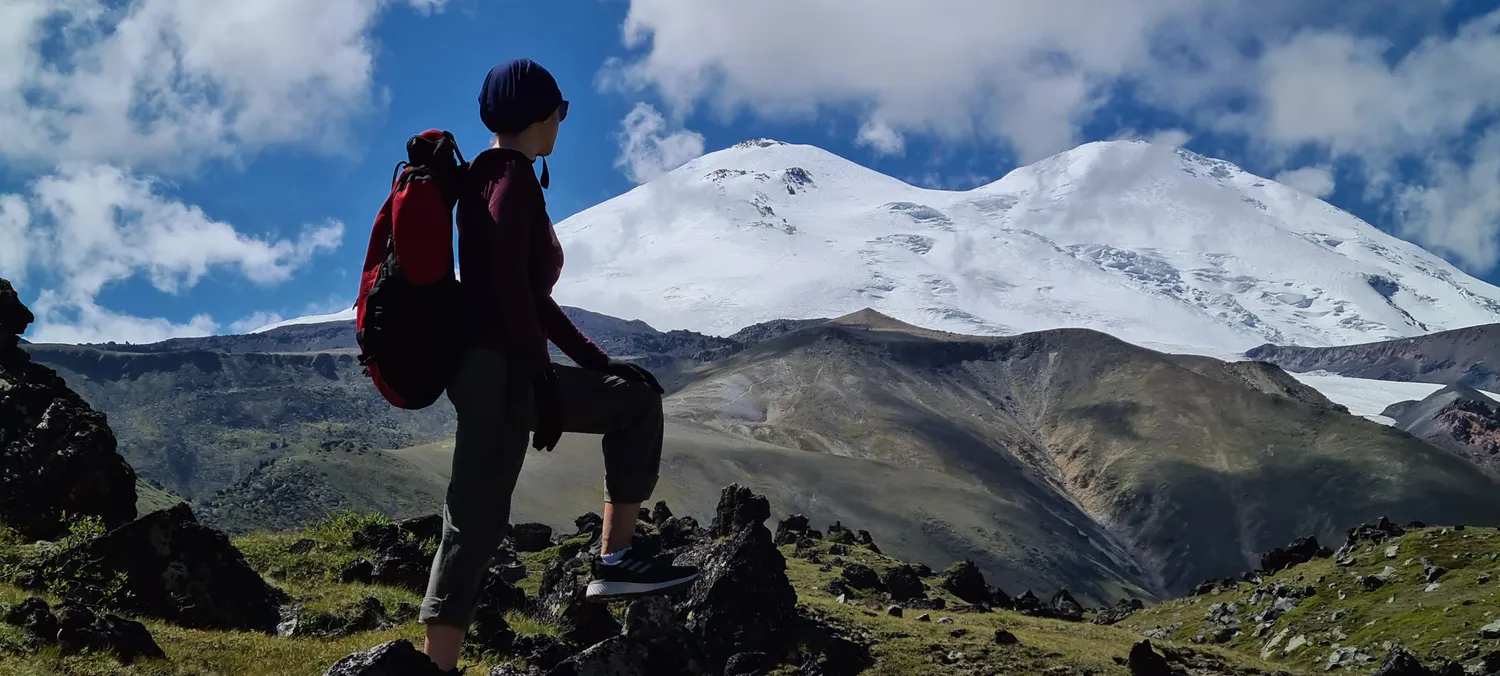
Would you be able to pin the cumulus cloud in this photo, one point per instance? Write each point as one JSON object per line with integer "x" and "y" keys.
{"x": 881, "y": 138}
{"x": 172, "y": 82}
{"x": 89, "y": 225}
{"x": 1316, "y": 180}
{"x": 1342, "y": 79}
{"x": 649, "y": 149}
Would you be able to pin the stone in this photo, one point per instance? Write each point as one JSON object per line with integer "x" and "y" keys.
{"x": 860, "y": 576}
{"x": 1369, "y": 582}
{"x": 1300, "y": 551}
{"x": 792, "y": 529}
{"x": 392, "y": 658}
{"x": 589, "y": 524}
{"x": 903, "y": 583}
{"x": 357, "y": 571}
{"x": 830, "y": 647}
{"x": 678, "y": 532}
{"x": 366, "y": 614}
{"x": 301, "y": 546}
{"x": 924, "y": 570}
{"x": 838, "y": 587}
{"x": 57, "y": 454}
{"x": 1491, "y": 630}
{"x": 1144, "y": 661}
{"x": 79, "y": 629}
{"x": 660, "y": 513}
{"x": 945, "y": 620}
{"x": 1065, "y": 607}
{"x": 924, "y": 617}
{"x": 402, "y": 565}
{"x": 1122, "y": 609}
{"x": 422, "y": 528}
{"x": 375, "y": 536}
{"x": 895, "y": 611}
{"x": 747, "y": 664}
{"x": 1029, "y": 604}
{"x": 739, "y": 509}
{"x": 837, "y": 549}
{"x": 562, "y": 598}
{"x": 490, "y": 630}
{"x": 1400, "y": 662}
{"x": 1003, "y": 637}
{"x": 1483, "y": 578}
{"x": 742, "y": 600}
{"x": 543, "y": 651}
{"x": 926, "y": 604}
{"x": 532, "y": 537}
{"x": 173, "y": 568}
{"x": 966, "y": 582}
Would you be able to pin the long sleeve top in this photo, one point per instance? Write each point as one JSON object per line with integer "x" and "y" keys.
{"x": 509, "y": 260}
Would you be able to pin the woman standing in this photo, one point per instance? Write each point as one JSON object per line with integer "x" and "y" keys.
{"x": 507, "y": 387}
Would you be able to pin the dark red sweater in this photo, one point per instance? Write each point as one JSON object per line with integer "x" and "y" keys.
{"x": 509, "y": 259}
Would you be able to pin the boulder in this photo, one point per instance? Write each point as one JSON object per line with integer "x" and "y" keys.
{"x": 75, "y": 628}
{"x": 1003, "y": 637}
{"x": 661, "y": 513}
{"x": 490, "y": 631}
{"x": 392, "y": 658}
{"x": 678, "y": 532}
{"x": 1144, "y": 661}
{"x": 966, "y": 582}
{"x": 366, "y": 614}
{"x": 375, "y": 536}
{"x": 422, "y": 528}
{"x": 903, "y": 583}
{"x": 742, "y": 600}
{"x": 830, "y": 647}
{"x": 1122, "y": 609}
{"x": 57, "y": 454}
{"x": 589, "y": 524}
{"x": 860, "y": 576}
{"x": 1400, "y": 662}
{"x": 532, "y": 537}
{"x": 739, "y": 509}
{"x": 1300, "y": 551}
{"x": 359, "y": 571}
{"x": 173, "y": 568}
{"x": 1065, "y": 607}
{"x": 402, "y": 565}
{"x": 562, "y": 599}
{"x": 792, "y": 529}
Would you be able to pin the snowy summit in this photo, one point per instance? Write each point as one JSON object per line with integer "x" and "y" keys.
{"x": 1151, "y": 243}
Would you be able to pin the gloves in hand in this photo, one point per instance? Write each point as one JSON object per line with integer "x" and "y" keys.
{"x": 549, "y": 411}
{"x": 632, "y": 372}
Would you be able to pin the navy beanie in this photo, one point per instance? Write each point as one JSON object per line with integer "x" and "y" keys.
{"x": 517, "y": 94}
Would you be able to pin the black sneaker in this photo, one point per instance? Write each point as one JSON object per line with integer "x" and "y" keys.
{"x": 637, "y": 575}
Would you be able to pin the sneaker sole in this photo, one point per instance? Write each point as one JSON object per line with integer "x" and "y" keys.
{"x": 601, "y": 591}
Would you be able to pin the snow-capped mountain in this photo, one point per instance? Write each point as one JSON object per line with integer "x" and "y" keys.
{"x": 1154, "y": 244}
{"x": 346, "y": 315}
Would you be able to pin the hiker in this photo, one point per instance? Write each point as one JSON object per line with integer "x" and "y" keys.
{"x": 506, "y": 385}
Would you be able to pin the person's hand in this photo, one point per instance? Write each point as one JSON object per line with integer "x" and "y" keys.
{"x": 632, "y": 372}
{"x": 549, "y": 412}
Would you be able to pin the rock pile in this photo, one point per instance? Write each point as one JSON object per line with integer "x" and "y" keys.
{"x": 75, "y": 628}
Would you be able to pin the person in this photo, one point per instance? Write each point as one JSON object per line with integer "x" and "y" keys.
{"x": 507, "y": 387}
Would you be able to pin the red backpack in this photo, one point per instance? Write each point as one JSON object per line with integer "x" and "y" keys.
{"x": 407, "y": 313}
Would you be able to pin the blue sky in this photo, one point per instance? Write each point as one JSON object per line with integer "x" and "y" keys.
{"x": 174, "y": 168}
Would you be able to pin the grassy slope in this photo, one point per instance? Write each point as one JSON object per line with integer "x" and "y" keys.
{"x": 906, "y": 647}
{"x": 1442, "y": 623}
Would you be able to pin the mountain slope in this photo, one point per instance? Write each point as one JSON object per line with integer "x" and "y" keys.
{"x": 1187, "y": 466}
{"x": 1458, "y": 419}
{"x": 1458, "y": 357}
{"x": 1152, "y": 244}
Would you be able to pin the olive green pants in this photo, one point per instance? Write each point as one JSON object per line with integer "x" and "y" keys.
{"x": 495, "y": 419}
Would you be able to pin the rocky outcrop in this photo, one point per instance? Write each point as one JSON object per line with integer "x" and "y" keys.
{"x": 75, "y": 628}
{"x": 366, "y": 614}
{"x": 1457, "y": 419}
{"x": 57, "y": 454}
{"x": 965, "y": 581}
{"x": 167, "y": 565}
{"x": 392, "y": 658}
{"x": 1300, "y": 551}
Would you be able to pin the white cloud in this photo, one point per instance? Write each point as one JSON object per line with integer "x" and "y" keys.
{"x": 881, "y": 138}
{"x": 91, "y": 225}
{"x": 1315, "y": 180}
{"x": 15, "y": 238}
{"x": 172, "y": 82}
{"x": 427, "y": 6}
{"x": 1457, "y": 212}
{"x": 254, "y": 322}
{"x": 648, "y": 150}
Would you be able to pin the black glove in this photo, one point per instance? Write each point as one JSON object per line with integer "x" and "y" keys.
{"x": 549, "y": 411}
{"x": 632, "y": 372}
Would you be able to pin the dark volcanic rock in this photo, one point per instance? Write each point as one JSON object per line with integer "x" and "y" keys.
{"x": 742, "y": 601}
{"x": 1301, "y": 551}
{"x": 366, "y": 614}
{"x": 392, "y": 658}
{"x": 532, "y": 537}
{"x": 678, "y": 532}
{"x": 903, "y": 583}
{"x": 1065, "y": 607}
{"x": 1400, "y": 662}
{"x": 402, "y": 565}
{"x": 174, "y": 568}
{"x": 590, "y": 523}
{"x": 490, "y": 631}
{"x": 57, "y": 455}
{"x": 738, "y": 509}
{"x": 1144, "y": 661}
{"x": 661, "y": 513}
{"x": 791, "y": 529}
{"x": 562, "y": 599}
{"x": 860, "y": 576}
{"x": 831, "y": 647}
{"x": 1122, "y": 609}
{"x": 76, "y": 628}
{"x": 375, "y": 536}
{"x": 966, "y": 582}
{"x": 421, "y": 528}
{"x": 358, "y": 571}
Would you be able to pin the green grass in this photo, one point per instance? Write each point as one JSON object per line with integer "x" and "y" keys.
{"x": 1442, "y": 623}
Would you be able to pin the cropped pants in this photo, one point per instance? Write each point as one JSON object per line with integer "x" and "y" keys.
{"x": 495, "y": 418}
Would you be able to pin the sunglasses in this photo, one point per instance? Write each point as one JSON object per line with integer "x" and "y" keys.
{"x": 562, "y": 111}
